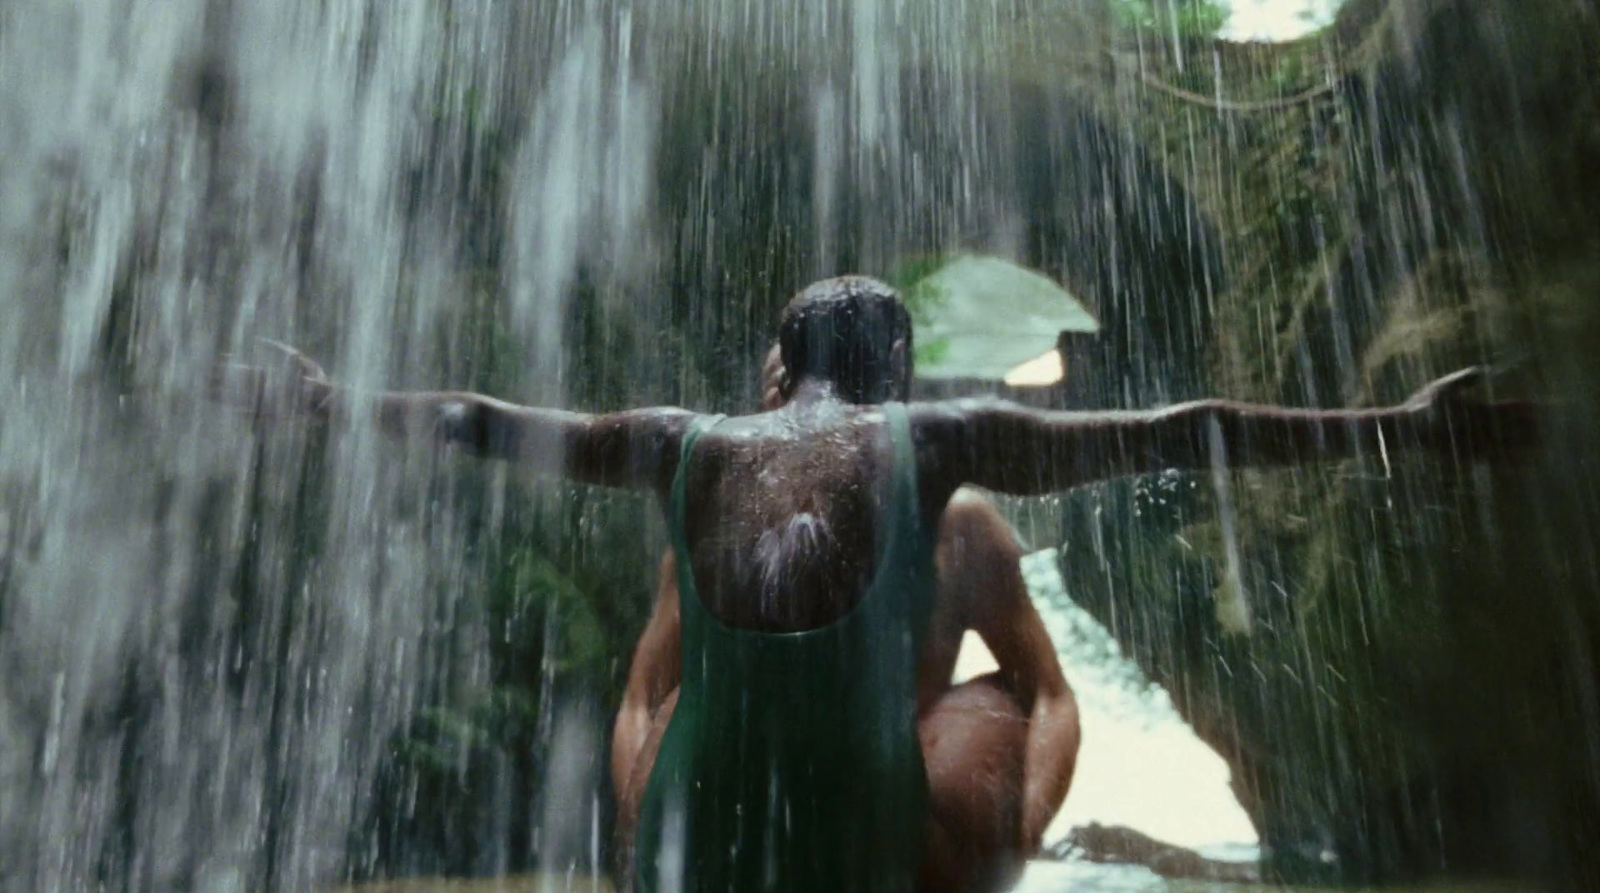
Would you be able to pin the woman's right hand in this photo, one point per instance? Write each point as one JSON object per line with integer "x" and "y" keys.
{"x": 295, "y": 388}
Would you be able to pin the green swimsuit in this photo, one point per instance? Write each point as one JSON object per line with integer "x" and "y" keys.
{"x": 792, "y": 761}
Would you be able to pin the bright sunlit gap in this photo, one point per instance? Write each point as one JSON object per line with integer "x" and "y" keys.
{"x": 1139, "y": 764}
{"x": 1277, "y": 20}
{"x": 1042, "y": 370}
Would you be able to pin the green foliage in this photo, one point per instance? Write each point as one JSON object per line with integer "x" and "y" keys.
{"x": 1188, "y": 18}
{"x": 931, "y": 352}
{"x": 541, "y": 621}
{"x": 446, "y": 775}
{"x": 912, "y": 278}
{"x": 436, "y": 801}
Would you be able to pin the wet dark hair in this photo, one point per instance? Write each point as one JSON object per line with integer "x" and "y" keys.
{"x": 844, "y": 330}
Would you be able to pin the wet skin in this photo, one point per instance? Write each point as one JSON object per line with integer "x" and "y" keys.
{"x": 781, "y": 508}
{"x": 999, "y": 750}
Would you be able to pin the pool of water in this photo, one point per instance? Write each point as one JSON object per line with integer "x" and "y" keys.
{"x": 1139, "y": 763}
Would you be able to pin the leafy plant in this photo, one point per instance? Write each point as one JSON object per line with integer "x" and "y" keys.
{"x": 913, "y": 279}
{"x": 1188, "y": 18}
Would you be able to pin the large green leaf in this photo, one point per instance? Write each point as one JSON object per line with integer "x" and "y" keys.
{"x": 980, "y": 317}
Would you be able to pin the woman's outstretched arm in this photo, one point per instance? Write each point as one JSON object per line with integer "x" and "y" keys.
{"x": 1014, "y": 449}
{"x": 637, "y": 449}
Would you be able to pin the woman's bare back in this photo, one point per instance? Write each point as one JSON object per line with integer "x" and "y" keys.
{"x": 782, "y": 514}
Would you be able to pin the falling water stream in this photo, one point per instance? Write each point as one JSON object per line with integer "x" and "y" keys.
{"x": 211, "y": 637}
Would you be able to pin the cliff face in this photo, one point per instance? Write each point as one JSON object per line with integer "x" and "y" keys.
{"x": 1396, "y": 659}
{"x": 1395, "y": 656}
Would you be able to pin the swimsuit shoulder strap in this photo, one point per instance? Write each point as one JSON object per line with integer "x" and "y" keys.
{"x": 905, "y": 513}
{"x": 903, "y": 590}
{"x": 676, "y": 528}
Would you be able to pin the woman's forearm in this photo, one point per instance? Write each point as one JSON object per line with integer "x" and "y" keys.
{"x": 1048, "y": 763}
